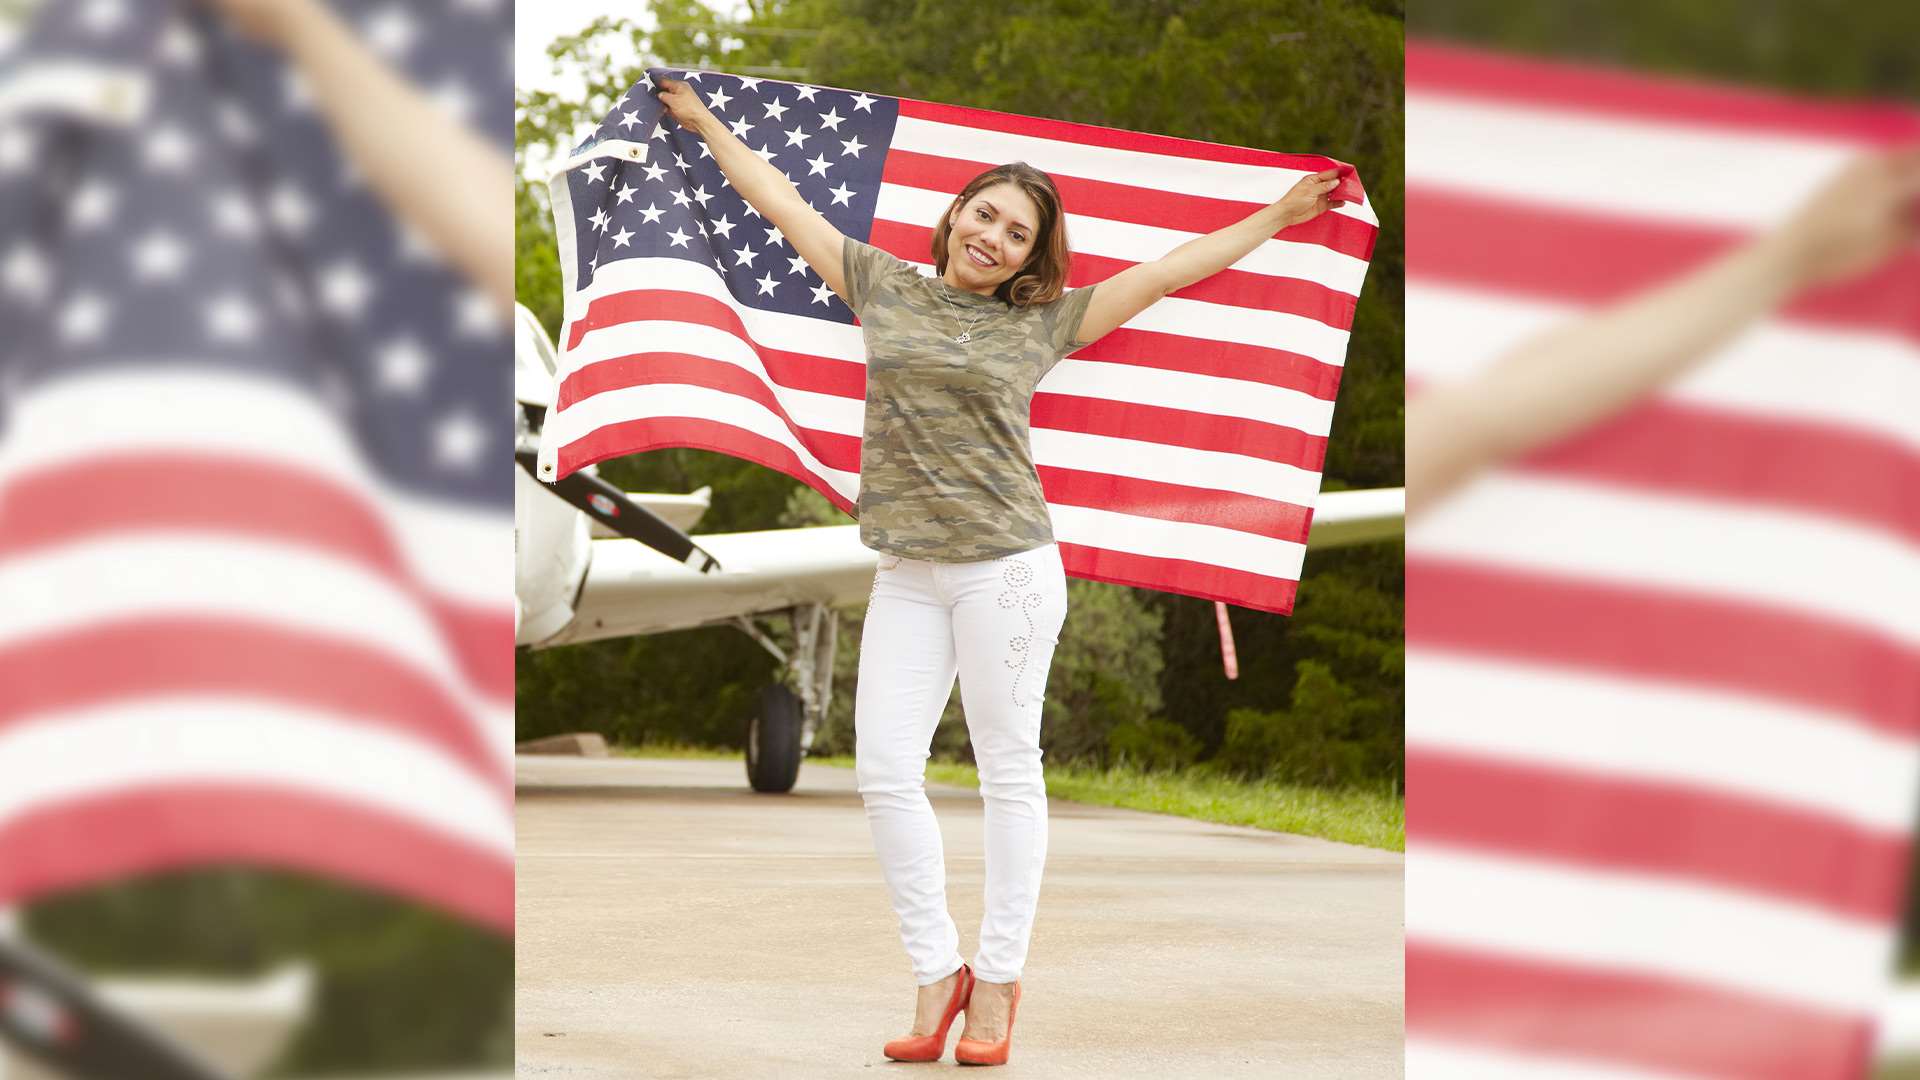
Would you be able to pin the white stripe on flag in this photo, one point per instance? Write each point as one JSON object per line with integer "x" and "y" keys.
{"x": 108, "y": 750}
{"x": 459, "y": 553}
{"x": 1260, "y": 184}
{"x": 1175, "y": 465}
{"x": 1641, "y": 729}
{"x": 1430, "y": 1060}
{"x": 1689, "y": 174}
{"x": 1189, "y": 540}
{"x": 1646, "y": 925}
{"x": 773, "y": 329}
{"x": 698, "y": 402}
{"x": 130, "y": 575}
{"x": 1145, "y": 243}
{"x": 1702, "y": 547}
{"x": 1779, "y": 369}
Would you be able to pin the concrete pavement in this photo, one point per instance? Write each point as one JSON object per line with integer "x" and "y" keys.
{"x": 673, "y": 924}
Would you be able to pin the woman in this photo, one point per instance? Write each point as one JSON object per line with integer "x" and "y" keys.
{"x": 970, "y": 580}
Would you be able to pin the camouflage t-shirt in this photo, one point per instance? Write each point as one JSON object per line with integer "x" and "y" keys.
{"x": 946, "y": 473}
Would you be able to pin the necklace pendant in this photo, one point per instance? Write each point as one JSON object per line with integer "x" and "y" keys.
{"x": 964, "y": 337}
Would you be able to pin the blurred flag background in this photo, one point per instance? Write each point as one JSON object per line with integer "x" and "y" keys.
{"x": 254, "y": 561}
{"x": 1663, "y": 678}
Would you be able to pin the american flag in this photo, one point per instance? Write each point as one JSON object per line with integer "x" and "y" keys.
{"x": 254, "y": 499}
{"x": 1181, "y": 452}
{"x": 1663, "y": 680}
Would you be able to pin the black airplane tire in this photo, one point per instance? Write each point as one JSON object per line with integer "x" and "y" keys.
{"x": 773, "y": 742}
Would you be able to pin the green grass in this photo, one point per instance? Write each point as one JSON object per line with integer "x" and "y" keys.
{"x": 1371, "y": 818}
{"x": 1376, "y": 819}
{"x": 676, "y": 750}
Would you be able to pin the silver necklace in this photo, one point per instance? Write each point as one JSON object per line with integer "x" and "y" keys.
{"x": 966, "y": 332}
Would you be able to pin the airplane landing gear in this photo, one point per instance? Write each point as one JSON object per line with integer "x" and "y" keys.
{"x": 782, "y": 732}
{"x": 773, "y": 742}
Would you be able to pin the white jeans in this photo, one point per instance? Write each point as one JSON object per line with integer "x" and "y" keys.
{"x": 996, "y": 623}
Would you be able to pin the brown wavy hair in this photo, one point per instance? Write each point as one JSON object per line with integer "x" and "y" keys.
{"x": 1044, "y": 276}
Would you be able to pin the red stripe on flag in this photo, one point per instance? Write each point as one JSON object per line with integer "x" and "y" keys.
{"x": 1715, "y": 837}
{"x": 1111, "y": 138}
{"x": 1567, "y": 255}
{"x": 482, "y": 640}
{"x": 791, "y": 370}
{"x": 1656, "y": 1023}
{"x": 1209, "y": 582}
{"x": 834, "y": 450}
{"x": 1176, "y": 502}
{"x": 234, "y": 496}
{"x": 1516, "y": 81}
{"x": 656, "y": 305}
{"x": 1222, "y": 359}
{"x": 1665, "y": 447}
{"x": 657, "y": 433}
{"x": 1138, "y": 205}
{"x": 153, "y": 657}
{"x": 1239, "y": 288}
{"x": 1646, "y": 633}
{"x": 1179, "y": 427}
{"x": 79, "y": 843}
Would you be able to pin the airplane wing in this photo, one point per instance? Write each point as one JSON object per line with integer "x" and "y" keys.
{"x": 1358, "y": 517}
{"x": 630, "y": 589}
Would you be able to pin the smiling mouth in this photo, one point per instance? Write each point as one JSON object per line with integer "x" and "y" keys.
{"x": 979, "y": 259}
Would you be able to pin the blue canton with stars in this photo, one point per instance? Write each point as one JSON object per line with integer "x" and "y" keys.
{"x": 832, "y": 144}
{"x": 222, "y": 228}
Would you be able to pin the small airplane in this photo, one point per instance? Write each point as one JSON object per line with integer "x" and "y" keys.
{"x": 593, "y": 562}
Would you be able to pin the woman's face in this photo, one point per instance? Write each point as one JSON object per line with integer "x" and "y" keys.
{"x": 991, "y": 237}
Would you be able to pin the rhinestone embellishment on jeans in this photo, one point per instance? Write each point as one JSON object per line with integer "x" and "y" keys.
{"x": 1018, "y": 577}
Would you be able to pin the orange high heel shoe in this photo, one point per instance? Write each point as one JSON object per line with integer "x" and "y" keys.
{"x": 930, "y": 1047}
{"x": 978, "y": 1052}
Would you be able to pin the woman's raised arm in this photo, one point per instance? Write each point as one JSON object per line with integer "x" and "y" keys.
{"x": 762, "y": 185}
{"x": 1132, "y": 290}
{"x": 387, "y": 127}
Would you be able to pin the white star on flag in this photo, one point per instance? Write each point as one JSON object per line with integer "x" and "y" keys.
{"x": 159, "y": 257}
